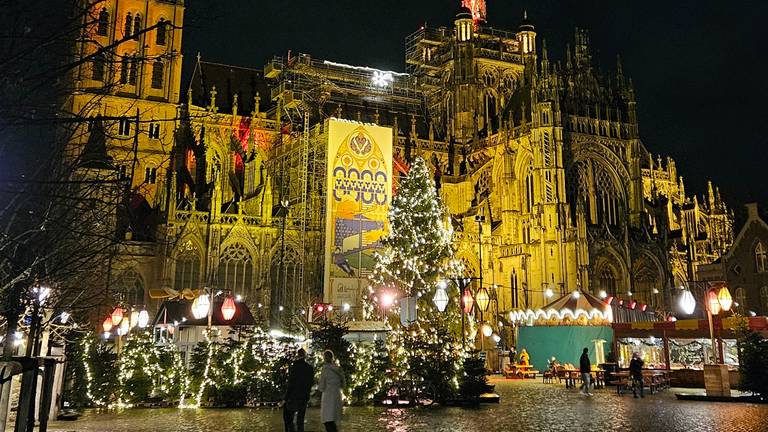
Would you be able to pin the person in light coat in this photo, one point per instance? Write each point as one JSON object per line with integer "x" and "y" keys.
{"x": 331, "y": 382}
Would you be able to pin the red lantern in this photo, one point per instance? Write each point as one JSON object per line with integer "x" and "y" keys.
{"x": 643, "y": 307}
{"x": 713, "y": 302}
{"x": 633, "y": 304}
{"x": 228, "y": 308}
{"x": 467, "y": 301}
{"x": 117, "y": 315}
{"x": 609, "y": 299}
{"x": 107, "y": 324}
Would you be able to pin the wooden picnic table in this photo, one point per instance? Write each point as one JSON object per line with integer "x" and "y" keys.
{"x": 572, "y": 376}
{"x": 655, "y": 379}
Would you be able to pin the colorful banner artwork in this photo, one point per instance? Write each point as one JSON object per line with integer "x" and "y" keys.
{"x": 359, "y": 193}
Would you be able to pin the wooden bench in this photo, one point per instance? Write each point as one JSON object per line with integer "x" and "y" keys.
{"x": 530, "y": 374}
{"x": 621, "y": 385}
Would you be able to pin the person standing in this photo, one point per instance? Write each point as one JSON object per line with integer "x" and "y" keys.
{"x": 636, "y": 373}
{"x": 300, "y": 379}
{"x": 331, "y": 382}
{"x": 585, "y": 367}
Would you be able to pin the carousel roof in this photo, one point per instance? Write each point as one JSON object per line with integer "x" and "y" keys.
{"x": 582, "y": 308}
{"x": 576, "y": 300}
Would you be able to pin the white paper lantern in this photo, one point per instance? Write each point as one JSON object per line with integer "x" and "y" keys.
{"x": 441, "y": 299}
{"x": 200, "y": 307}
{"x": 687, "y": 302}
{"x": 143, "y": 318}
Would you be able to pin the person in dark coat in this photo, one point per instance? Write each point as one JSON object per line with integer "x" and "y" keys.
{"x": 636, "y": 373}
{"x": 585, "y": 367}
{"x": 300, "y": 379}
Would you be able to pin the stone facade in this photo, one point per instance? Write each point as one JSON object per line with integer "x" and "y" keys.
{"x": 549, "y": 153}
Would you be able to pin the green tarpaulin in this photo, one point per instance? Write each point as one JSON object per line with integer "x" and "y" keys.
{"x": 562, "y": 342}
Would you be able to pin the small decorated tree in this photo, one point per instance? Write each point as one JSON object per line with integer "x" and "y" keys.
{"x": 474, "y": 381}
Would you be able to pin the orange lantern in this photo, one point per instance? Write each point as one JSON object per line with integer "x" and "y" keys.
{"x": 713, "y": 302}
{"x": 107, "y": 324}
{"x": 117, "y": 315}
{"x": 467, "y": 301}
{"x": 228, "y": 308}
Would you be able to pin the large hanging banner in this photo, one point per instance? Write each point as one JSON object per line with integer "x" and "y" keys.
{"x": 358, "y": 197}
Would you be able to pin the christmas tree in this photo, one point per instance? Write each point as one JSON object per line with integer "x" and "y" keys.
{"x": 416, "y": 259}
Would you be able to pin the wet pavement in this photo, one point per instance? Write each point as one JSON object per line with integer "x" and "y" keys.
{"x": 525, "y": 406}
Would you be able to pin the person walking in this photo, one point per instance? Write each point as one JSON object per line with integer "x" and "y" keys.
{"x": 331, "y": 382}
{"x": 636, "y": 373}
{"x": 300, "y": 379}
{"x": 585, "y": 367}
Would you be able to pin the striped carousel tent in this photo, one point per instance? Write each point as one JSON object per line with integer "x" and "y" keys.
{"x": 582, "y": 308}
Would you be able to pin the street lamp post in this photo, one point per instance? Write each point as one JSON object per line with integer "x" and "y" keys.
{"x": 713, "y": 301}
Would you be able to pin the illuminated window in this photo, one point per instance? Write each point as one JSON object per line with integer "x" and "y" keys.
{"x": 160, "y": 32}
{"x": 187, "y": 268}
{"x": 154, "y": 130}
{"x": 760, "y": 258}
{"x": 157, "y": 74}
{"x": 150, "y": 175}
{"x": 124, "y": 127}
{"x": 236, "y": 270}
{"x": 529, "y": 192}
{"x": 103, "y": 23}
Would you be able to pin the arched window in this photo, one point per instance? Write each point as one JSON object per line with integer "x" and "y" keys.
{"x": 236, "y": 271}
{"x": 98, "y": 66}
{"x": 160, "y": 32}
{"x": 646, "y": 281}
{"x": 761, "y": 260}
{"x": 136, "y": 26}
{"x": 157, "y": 74}
{"x": 764, "y": 298}
{"x": 187, "y": 268}
{"x": 285, "y": 279}
{"x": 740, "y": 296}
{"x": 128, "y": 24}
{"x": 607, "y": 280}
{"x": 124, "y": 69}
{"x": 129, "y": 287}
{"x": 103, "y": 23}
{"x": 529, "y": 191}
{"x": 134, "y": 72}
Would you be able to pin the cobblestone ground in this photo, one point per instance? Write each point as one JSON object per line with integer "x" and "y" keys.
{"x": 525, "y": 406}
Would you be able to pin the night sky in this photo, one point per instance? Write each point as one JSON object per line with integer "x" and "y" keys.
{"x": 699, "y": 67}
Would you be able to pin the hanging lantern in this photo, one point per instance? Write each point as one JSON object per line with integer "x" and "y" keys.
{"x": 633, "y": 304}
{"x": 609, "y": 300}
{"x": 107, "y": 324}
{"x": 117, "y": 315}
{"x": 643, "y": 307}
{"x": 713, "y": 302}
{"x": 687, "y": 302}
{"x": 440, "y": 299}
{"x": 228, "y": 308}
{"x": 134, "y": 318}
{"x": 124, "y": 328}
{"x": 487, "y": 330}
{"x": 200, "y": 306}
{"x": 143, "y": 318}
{"x": 483, "y": 299}
{"x": 725, "y": 299}
{"x": 467, "y": 301}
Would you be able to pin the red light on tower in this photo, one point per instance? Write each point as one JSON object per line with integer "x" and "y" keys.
{"x": 477, "y": 7}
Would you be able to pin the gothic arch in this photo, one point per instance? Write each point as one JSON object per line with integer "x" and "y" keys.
{"x": 129, "y": 287}
{"x": 647, "y": 276}
{"x": 609, "y": 273}
{"x": 187, "y": 264}
{"x": 596, "y": 181}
